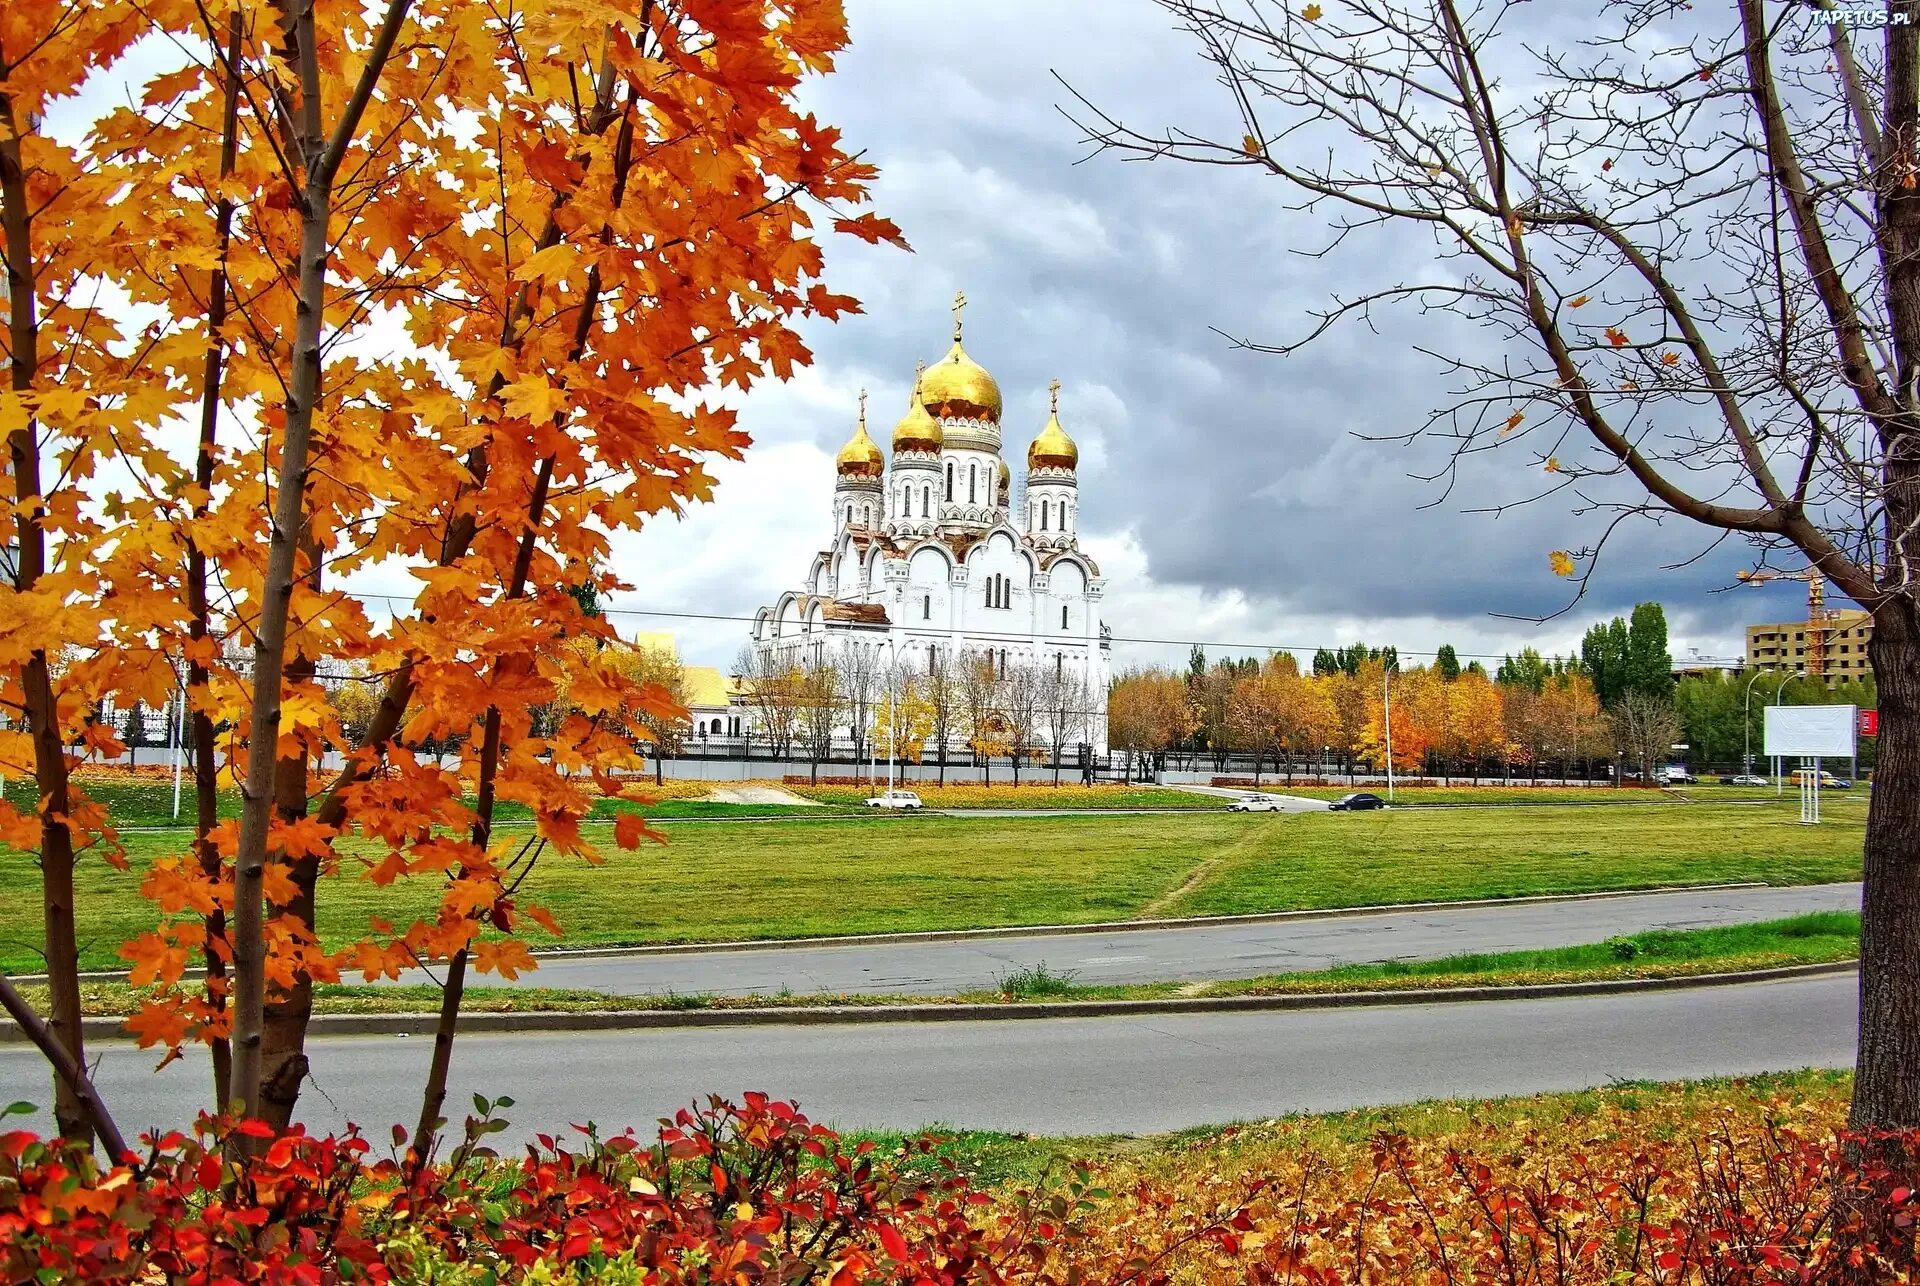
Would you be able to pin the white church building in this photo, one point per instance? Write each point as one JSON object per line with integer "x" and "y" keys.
{"x": 936, "y": 550}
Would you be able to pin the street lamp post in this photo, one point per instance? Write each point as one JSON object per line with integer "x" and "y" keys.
{"x": 1746, "y": 725}
{"x": 893, "y": 732}
{"x": 1779, "y": 698}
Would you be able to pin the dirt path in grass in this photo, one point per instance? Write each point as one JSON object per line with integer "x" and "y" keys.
{"x": 1195, "y": 878}
{"x": 1165, "y": 904}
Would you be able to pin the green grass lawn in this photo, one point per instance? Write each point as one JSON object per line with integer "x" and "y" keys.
{"x": 889, "y": 874}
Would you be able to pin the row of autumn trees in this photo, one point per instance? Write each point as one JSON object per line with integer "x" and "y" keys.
{"x": 883, "y": 705}
{"x": 418, "y": 282}
{"x": 1445, "y": 720}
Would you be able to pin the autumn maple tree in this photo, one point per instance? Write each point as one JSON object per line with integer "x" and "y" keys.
{"x": 439, "y": 285}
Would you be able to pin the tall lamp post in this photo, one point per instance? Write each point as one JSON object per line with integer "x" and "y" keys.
{"x": 1746, "y": 725}
{"x": 893, "y": 731}
{"x": 1779, "y": 785}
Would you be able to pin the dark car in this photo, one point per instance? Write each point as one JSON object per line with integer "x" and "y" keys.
{"x": 1357, "y": 803}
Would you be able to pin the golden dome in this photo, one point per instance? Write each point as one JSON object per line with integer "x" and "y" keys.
{"x": 1053, "y": 449}
{"x": 861, "y": 457}
{"x": 1006, "y": 480}
{"x": 956, "y": 386}
{"x": 917, "y": 431}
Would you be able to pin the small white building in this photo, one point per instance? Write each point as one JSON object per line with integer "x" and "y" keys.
{"x": 935, "y": 550}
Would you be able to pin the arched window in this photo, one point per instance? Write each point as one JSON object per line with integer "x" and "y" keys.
{"x": 849, "y": 515}
{"x": 926, "y": 607}
{"x": 972, "y": 495}
{"x": 933, "y": 658}
{"x": 926, "y": 499}
{"x": 1044, "y": 506}
{"x": 1063, "y": 616}
{"x": 949, "y": 481}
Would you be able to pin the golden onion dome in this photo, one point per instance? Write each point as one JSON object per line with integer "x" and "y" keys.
{"x": 861, "y": 457}
{"x": 1053, "y": 449}
{"x": 917, "y": 431}
{"x": 1006, "y": 479}
{"x": 958, "y": 387}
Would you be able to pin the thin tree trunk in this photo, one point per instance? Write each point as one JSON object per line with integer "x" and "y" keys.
{"x": 322, "y": 155}
{"x": 69, "y": 1070}
{"x": 270, "y": 645}
{"x": 433, "y": 1094}
{"x": 36, "y": 677}
{"x": 1886, "y": 1081}
{"x": 206, "y": 783}
{"x": 283, "y": 1060}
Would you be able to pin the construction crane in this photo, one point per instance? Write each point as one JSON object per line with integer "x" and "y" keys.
{"x": 1819, "y": 619}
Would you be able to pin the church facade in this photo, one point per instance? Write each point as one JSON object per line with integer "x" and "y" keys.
{"x": 937, "y": 552}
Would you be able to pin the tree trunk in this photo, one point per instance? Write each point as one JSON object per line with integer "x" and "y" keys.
{"x": 269, "y": 652}
{"x": 36, "y": 677}
{"x": 284, "y": 1016}
{"x": 1886, "y": 1083}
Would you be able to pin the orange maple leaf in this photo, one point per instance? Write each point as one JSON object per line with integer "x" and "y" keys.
{"x": 1615, "y": 336}
{"x": 872, "y": 228}
{"x": 507, "y": 958}
{"x": 629, "y": 829}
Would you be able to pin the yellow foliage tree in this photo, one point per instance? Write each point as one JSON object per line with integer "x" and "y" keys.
{"x": 901, "y": 727}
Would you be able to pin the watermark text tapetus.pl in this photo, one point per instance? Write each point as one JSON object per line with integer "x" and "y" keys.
{"x": 1859, "y": 16}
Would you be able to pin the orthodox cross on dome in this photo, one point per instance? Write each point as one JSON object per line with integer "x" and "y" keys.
{"x": 863, "y": 407}
{"x": 1053, "y": 391}
{"x": 959, "y": 306}
{"x": 919, "y": 370}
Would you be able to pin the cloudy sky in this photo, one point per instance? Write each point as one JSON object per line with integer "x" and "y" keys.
{"x": 1228, "y": 496}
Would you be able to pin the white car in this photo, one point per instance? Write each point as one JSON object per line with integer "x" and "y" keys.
{"x": 1255, "y": 803}
{"x": 895, "y": 799}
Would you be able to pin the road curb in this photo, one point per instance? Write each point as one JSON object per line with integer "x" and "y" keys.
{"x": 640, "y": 1020}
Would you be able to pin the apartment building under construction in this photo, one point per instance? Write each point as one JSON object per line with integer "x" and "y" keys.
{"x": 1783, "y": 646}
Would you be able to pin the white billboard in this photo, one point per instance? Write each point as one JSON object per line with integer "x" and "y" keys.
{"x": 1811, "y": 731}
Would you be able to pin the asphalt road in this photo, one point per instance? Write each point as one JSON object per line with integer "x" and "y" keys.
{"x": 1052, "y": 1076}
{"x": 1190, "y": 954}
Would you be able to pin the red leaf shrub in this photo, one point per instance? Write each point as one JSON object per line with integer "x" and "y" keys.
{"x": 756, "y": 1193}
{"x": 740, "y": 1194}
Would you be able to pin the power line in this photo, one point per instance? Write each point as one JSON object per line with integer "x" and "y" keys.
{"x": 662, "y": 614}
